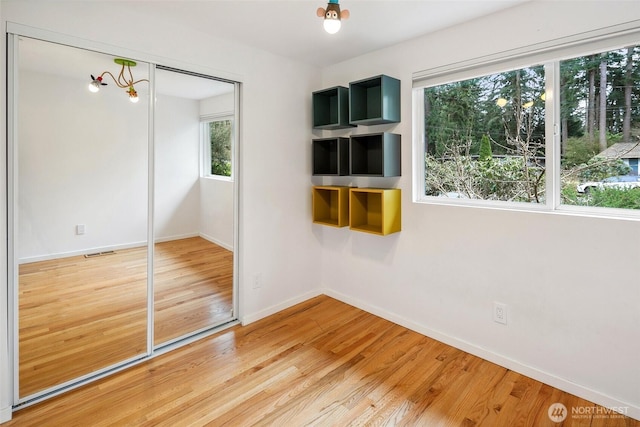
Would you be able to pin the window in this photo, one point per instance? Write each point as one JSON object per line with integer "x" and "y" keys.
{"x": 492, "y": 139}
{"x": 600, "y": 129}
{"x": 218, "y": 146}
{"x": 485, "y": 137}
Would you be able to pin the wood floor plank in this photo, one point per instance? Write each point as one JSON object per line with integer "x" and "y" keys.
{"x": 319, "y": 363}
{"x": 79, "y": 314}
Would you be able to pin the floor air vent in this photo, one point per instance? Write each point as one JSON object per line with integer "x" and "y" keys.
{"x": 97, "y": 254}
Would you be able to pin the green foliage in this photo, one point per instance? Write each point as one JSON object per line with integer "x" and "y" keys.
{"x": 613, "y": 138}
{"x": 579, "y": 150}
{"x": 485, "y": 148}
{"x": 220, "y": 168}
{"x": 451, "y": 115}
{"x": 569, "y": 195}
{"x": 505, "y": 179}
{"x": 220, "y": 136}
{"x": 599, "y": 168}
{"x": 572, "y": 90}
{"x": 624, "y": 198}
{"x": 455, "y": 176}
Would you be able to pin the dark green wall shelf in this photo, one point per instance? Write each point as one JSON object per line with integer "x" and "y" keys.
{"x": 331, "y": 108}
{"x": 375, "y": 154}
{"x": 374, "y": 101}
{"x": 331, "y": 156}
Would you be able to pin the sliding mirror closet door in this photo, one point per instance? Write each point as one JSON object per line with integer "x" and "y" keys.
{"x": 193, "y": 204}
{"x": 80, "y": 215}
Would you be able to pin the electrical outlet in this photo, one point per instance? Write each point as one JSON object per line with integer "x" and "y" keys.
{"x": 500, "y": 313}
{"x": 257, "y": 280}
{"x": 80, "y": 229}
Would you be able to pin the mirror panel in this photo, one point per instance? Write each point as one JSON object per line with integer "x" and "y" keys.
{"x": 81, "y": 210}
{"x": 193, "y": 210}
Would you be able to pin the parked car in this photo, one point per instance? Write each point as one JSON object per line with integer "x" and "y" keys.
{"x": 621, "y": 182}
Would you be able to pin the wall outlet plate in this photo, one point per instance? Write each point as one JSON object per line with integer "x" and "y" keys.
{"x": 500, "y": 312}
{"x": 257, "y": 280}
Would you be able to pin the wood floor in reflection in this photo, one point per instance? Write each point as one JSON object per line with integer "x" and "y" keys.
{"x": 78, "y": 314}
{"x": 319, "y": 363}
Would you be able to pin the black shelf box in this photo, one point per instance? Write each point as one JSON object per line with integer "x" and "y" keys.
{"x": 376, "y": 154}
{"x": 331, "y": 156}
{"x": 331, "y": 108}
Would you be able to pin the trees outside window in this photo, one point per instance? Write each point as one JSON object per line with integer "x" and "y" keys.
{"x": 218, "y": 146}
{"x": 485, "y": 136}
{"x": 600, "y": 121}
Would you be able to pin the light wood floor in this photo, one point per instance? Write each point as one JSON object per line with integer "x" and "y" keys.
{"x": 193, "y": 281}
{"x": 319, "y": 363}
{"x": 78, "y": 315}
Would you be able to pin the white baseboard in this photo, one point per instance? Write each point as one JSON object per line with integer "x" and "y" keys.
{"x": 95, "y": 250}
{"x": 531, "y": 372}
{"x": 176, "y": 237}
{"x": 123, "y": 246}
{"x": 250, "y": 318}
{"x": 225, "y": 245}
{"x": 5, "y": 414}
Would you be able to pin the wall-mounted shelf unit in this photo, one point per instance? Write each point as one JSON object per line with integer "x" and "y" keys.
{"x": 375, "y": 154}
{"x": 331, "y": 156}
{"x": 331, "y": 108}
{"x": 374, "y": 101}
{"x": 331, "y": 205}
{"x": 375, "y": 210}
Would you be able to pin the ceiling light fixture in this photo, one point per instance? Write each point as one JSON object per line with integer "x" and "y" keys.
{"x": 332, "y": 16}
{"x": 122, "y": 81}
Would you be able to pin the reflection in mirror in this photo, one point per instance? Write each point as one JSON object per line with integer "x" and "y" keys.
{"x": 81, "y": 210}
{"x": 193, "y": 204}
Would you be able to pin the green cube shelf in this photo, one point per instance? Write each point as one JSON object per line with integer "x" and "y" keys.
{"x": 331, "y": 108}
{"x": 374, "y": 101}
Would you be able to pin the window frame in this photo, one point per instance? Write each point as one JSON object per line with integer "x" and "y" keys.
{"x": 205, "y": 160}
{"x": 548, "y": 54}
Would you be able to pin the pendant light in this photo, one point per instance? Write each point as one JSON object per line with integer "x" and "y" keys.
{"x": 123, "y": 81}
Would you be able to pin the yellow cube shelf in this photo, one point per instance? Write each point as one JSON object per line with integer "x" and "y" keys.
{"x": 375, "y": 210}
{"x": 331, "y": 205}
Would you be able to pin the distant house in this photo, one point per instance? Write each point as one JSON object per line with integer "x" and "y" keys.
{"x": 629, "y": 152}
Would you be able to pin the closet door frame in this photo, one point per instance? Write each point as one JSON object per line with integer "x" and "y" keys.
{"x": 14, "y": 31}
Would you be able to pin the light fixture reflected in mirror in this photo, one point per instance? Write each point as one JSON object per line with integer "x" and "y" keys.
{"x": 501, "y": 102}
{"x": 122, "y": 81}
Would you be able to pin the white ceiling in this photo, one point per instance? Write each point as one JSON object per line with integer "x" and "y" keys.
{"x": 292, "y": 29}
{"x": 80, "y": 64}
{"x": 287, "y": 28}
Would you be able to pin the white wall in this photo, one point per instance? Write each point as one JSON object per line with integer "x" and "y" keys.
{"x": 216, "y": 201}
{"x": 82, "y": 160}
{"x": 218, "y": 104}
{"x": 570, "y": 283}
{"x": 216, "y": 211}
{"x": 275, "y": 202}
{"x": 176, "y": 168}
